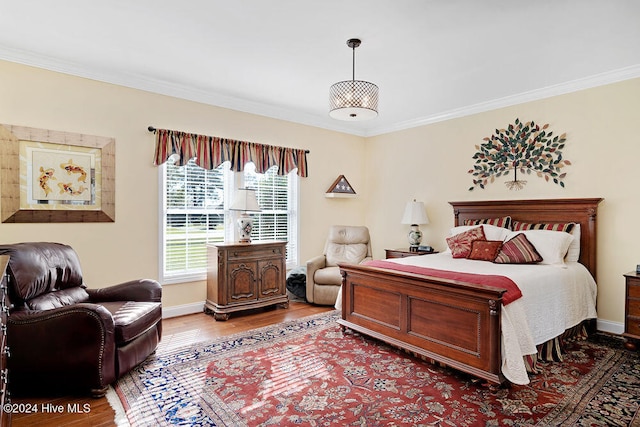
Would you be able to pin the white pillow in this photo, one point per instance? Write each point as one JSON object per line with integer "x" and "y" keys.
{"x": 491, "y": 232}
{"x": 573, "y": 254}
{"x": 551, "y": 245}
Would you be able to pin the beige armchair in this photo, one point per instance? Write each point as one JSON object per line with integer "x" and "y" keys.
{"x": 345, "y": 244}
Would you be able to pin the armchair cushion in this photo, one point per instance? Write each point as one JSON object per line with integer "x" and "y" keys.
{"x": 42, "y": 267}
{"x": 328, "y": 276}
{"x": 347, "y": 244}
{"x": 58, "y": 299}
{"x": 132, "y": 319}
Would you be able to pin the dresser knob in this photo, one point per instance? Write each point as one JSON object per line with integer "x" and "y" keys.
{"x": 7, "y": 351}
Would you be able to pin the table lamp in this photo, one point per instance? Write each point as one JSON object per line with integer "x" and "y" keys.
{"x": 415, "y": 214}
{"x": 245, "y": 201}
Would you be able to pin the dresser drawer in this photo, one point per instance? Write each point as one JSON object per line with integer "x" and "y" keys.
{"x": 633, "y": 326}
{"x": 634, "y": 289}
{"x": 634, "y": 307}
{"x": 247, "y": 254}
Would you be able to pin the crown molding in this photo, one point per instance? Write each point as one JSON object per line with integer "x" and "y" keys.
{"x": 602, "y": 79}
{"x": 161, "y": 87}
{"x": 136, "y": 81}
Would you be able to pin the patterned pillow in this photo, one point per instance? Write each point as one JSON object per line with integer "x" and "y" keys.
{"x": 460, "y": 244}
{"x": 485, "y": 250}
{"x": 504, "y": 222}
{"x": 518, "y": 250}
{"x": 558, "y": 226}
{"x": 491, "y": 232}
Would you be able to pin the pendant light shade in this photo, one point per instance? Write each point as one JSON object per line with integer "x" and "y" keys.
{"x": 353, "y": 100}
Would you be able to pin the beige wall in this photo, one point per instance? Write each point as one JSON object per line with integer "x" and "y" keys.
{"x": 430, "y": 163}
{"x": 128, "y": 248}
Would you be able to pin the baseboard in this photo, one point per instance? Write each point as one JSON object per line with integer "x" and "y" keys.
{"x": 610, "y": 327}
{"x": 181, "y": 310}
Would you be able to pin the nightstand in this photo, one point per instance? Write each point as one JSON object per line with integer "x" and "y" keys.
{"x": 632, "y": 310}
{"x": 405, "y": 252}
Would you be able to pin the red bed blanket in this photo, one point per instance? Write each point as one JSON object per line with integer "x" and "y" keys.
{"x": 495, "y": 281}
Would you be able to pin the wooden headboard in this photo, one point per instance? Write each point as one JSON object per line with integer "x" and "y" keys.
{"x": 582, "y": 211}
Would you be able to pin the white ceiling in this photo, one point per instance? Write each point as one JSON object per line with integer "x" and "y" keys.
{"x": 432, "y": 59}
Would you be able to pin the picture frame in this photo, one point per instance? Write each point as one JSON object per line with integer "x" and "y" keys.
{"x": 55, "y": 176}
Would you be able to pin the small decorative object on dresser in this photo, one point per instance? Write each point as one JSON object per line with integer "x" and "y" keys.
{"x": 241, "y": 276}
{"x": 405, "y": 252}
{"x": 632, "y": 310}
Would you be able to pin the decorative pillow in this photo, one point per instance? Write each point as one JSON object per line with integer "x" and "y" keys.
{"x": 485, "y": 250}
{"x": 504, "y": 222}
{"x": 518, "y": 250}
{"x": 460, "y": 244}
{"x": 491, "y": 232}
{"x": 558, "y": 226}
{"x": 573, "y": 253}
{"x": 551, "y": 245}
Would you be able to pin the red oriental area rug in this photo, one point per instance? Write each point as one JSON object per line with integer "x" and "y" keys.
{"x": 311, "y": 372}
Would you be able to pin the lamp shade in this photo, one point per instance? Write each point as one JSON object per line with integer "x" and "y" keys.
{"x": 414, "y": 213}
{"x": 245, "y": 200}
{"x": 353, "y": 100}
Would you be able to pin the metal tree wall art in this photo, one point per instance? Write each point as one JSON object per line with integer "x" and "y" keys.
{"x": 523, "y": 147}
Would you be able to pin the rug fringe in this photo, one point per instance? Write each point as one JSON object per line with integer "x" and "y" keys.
{"x": 120, "y": 419}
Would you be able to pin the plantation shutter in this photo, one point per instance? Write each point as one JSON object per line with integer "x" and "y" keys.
{"x": 194, "y": 217}
{"x": 277, "y": 217}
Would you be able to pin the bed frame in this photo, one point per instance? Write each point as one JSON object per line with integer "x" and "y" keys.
{"x": 452, "y": 322}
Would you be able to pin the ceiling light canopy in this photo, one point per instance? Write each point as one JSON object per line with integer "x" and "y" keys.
{"x": 353, "y": 100}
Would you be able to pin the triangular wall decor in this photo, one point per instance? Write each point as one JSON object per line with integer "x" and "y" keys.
{"x": 341, "y": 188}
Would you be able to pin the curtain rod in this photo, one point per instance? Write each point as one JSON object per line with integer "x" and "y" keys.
{"x": 152, "y": 129}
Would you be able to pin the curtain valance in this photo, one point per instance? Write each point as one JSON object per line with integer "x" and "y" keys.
{"x": 210, "y": 152}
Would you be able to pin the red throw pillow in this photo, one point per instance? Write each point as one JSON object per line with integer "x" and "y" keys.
{"x": 518, "y": 250}
{"x": 485, "y": 250}
{"x": 460, "y": 244}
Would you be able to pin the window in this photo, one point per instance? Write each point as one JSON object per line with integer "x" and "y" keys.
{"x": 195, "y": 214}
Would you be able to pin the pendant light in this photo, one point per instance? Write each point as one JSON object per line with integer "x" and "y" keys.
{"x": 353, "y": 100}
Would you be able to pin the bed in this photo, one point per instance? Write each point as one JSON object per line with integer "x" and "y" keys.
{"x": 455, "y": 322}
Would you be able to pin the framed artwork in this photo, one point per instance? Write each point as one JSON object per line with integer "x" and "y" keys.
{"x": 53, "y": 176}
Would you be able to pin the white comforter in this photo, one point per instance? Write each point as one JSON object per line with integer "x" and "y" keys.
{"x": 554, "y": 298}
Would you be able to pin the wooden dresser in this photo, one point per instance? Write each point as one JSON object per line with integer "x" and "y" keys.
{"x": 241, "y": 276}
{"x": 632, "y": 310}
{"x": 5, "y": 416}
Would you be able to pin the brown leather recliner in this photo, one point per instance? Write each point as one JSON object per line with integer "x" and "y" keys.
{"x": 64, "y": 337}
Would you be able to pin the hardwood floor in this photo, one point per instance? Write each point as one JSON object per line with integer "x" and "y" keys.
{"x": 85, "y": 411}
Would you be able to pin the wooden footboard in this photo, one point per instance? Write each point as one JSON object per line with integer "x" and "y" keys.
{"x": 451, "y": 322}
